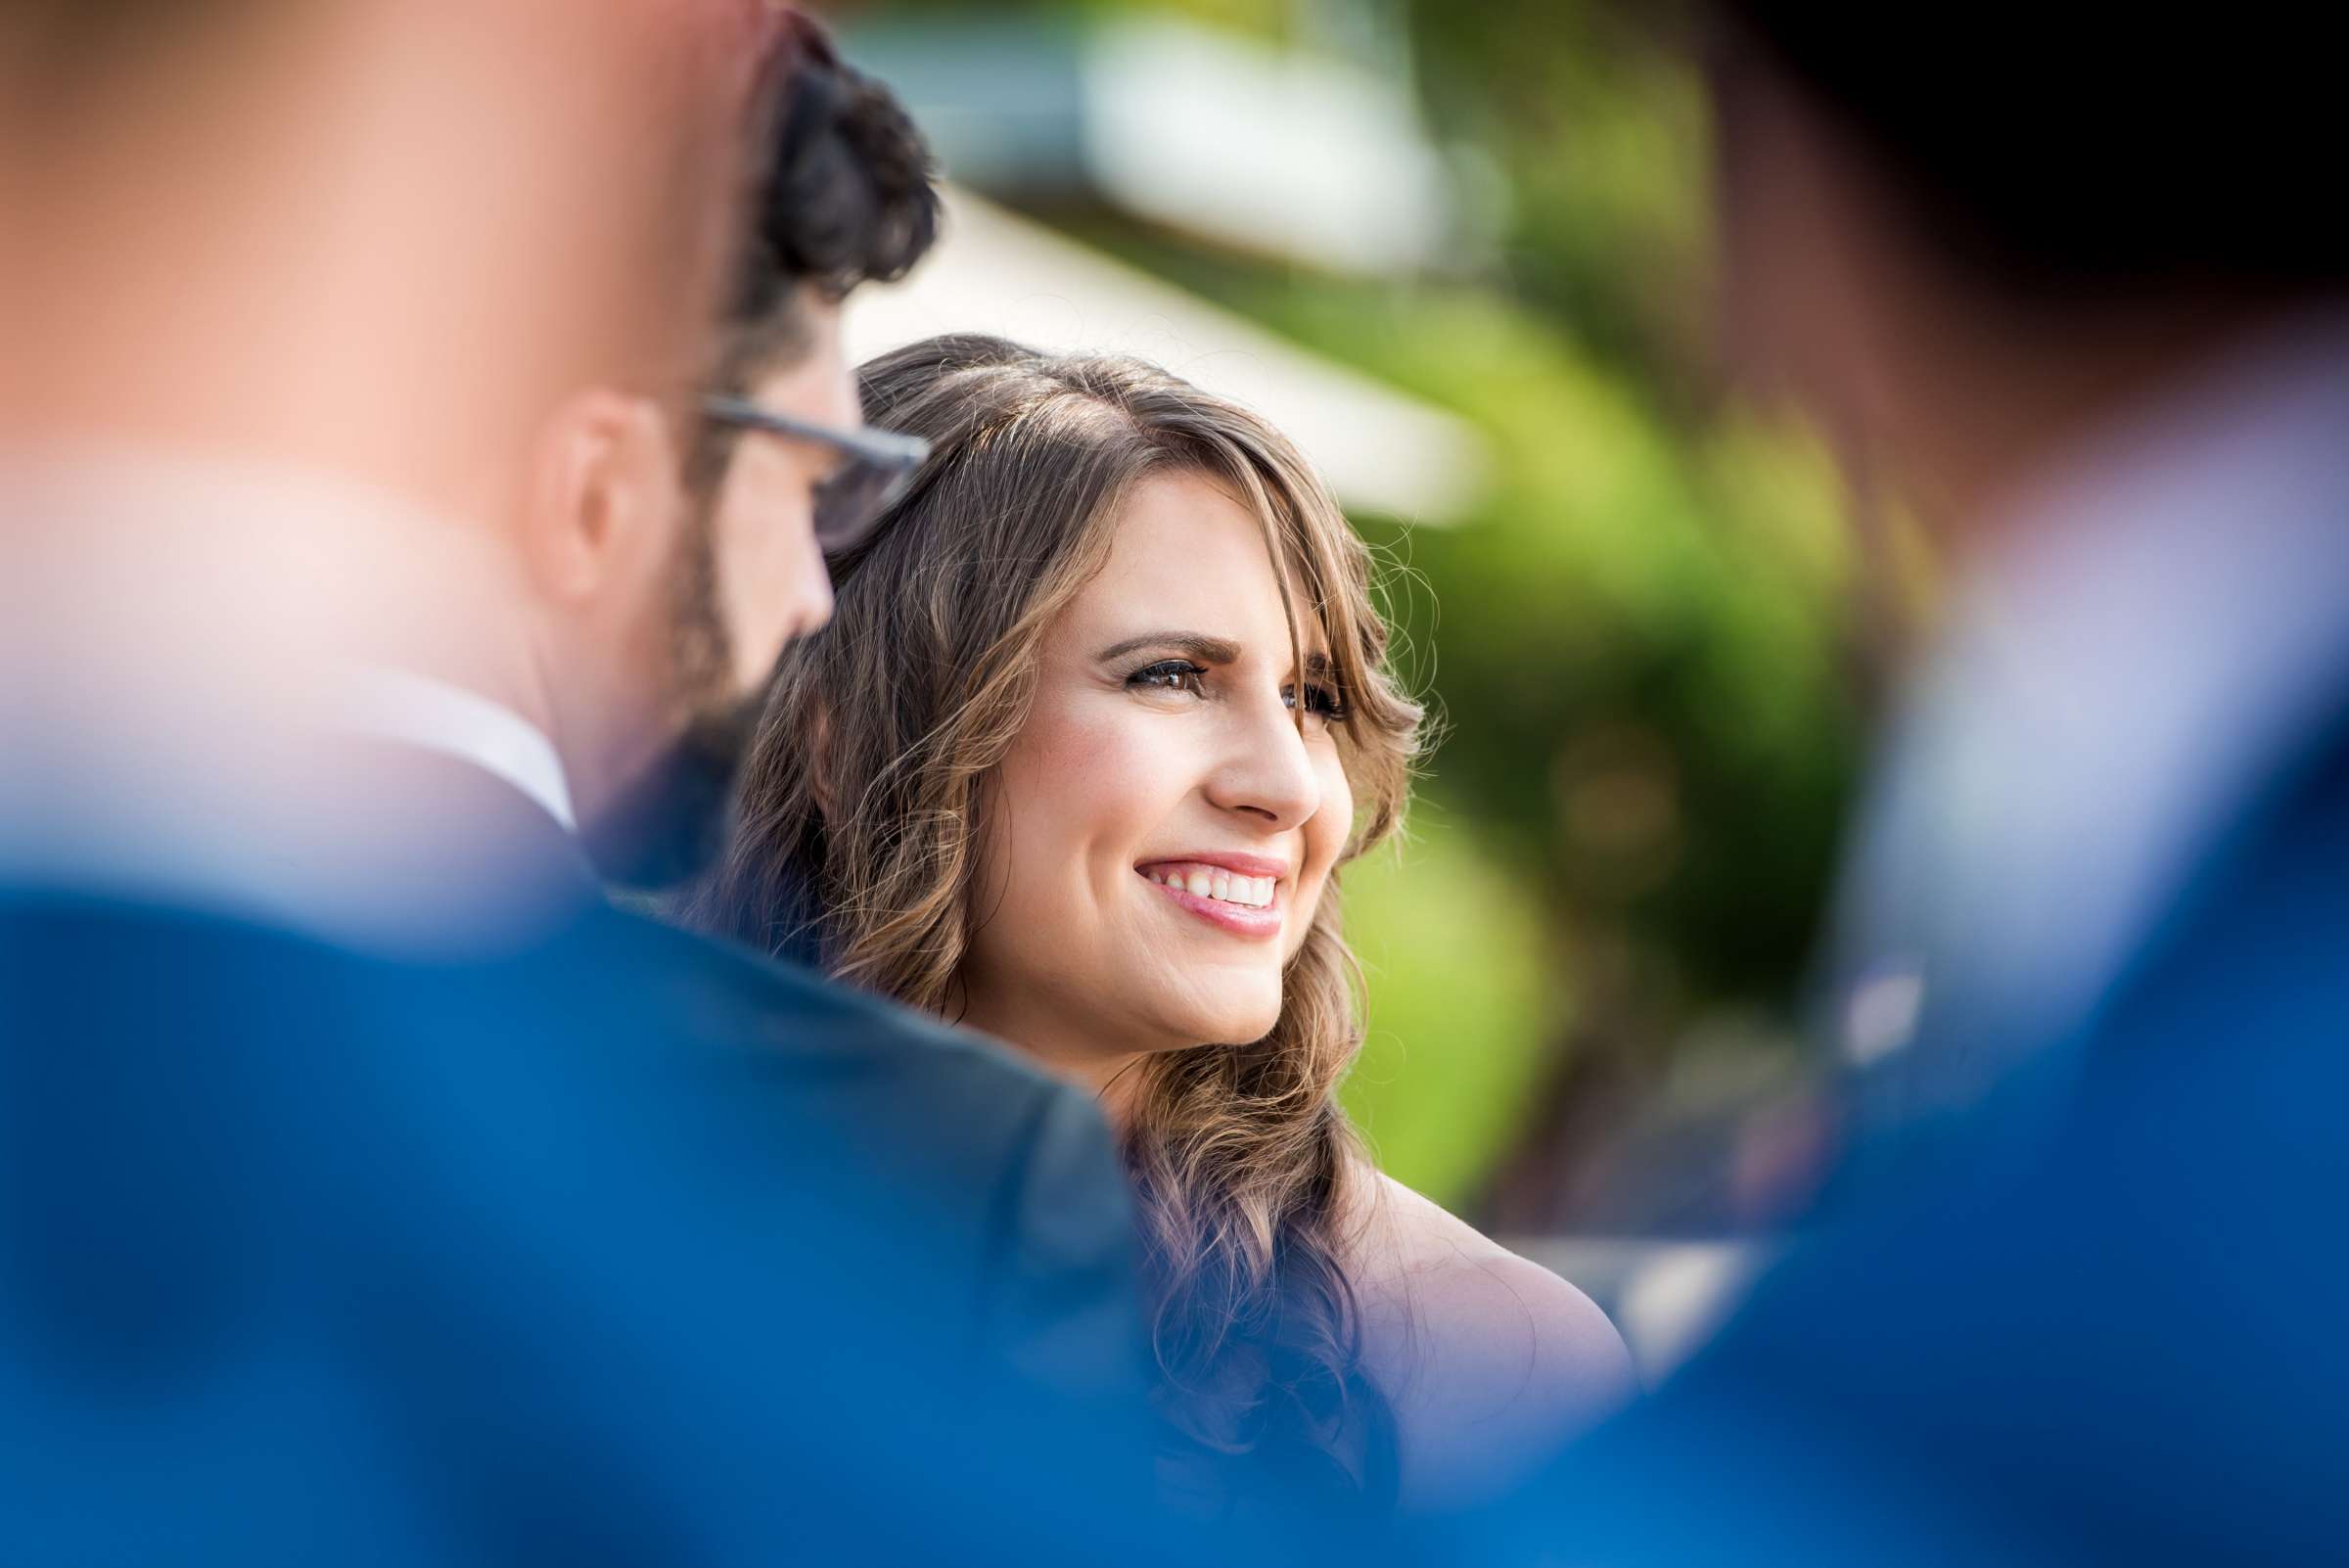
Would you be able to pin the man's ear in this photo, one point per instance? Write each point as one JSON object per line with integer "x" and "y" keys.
{"x": 604, "y": 496}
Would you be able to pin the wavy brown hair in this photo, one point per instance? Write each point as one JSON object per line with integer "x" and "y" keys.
{"x": 862, "y": 808}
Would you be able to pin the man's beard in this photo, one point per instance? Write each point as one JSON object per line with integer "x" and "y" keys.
{"x": 668, "y": 825}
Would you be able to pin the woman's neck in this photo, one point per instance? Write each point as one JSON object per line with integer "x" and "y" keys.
{"x": 1075, "y": 1055}
{"x": 1111, "y": 1078}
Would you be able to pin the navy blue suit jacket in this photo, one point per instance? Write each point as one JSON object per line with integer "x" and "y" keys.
{"x": 2102, "y": 1320}
{"x": 628, "y": 1247}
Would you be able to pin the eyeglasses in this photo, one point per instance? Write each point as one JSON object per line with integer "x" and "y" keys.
{"x": 877, "y": 465}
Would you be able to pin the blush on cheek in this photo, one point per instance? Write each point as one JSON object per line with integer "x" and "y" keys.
{"x": 1056, "y": 742}
{"x": 1106, "y": 775}
{"x": 1055, "y": 809}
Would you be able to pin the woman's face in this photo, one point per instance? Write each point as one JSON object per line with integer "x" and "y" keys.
{"x": 1160, "y": 832}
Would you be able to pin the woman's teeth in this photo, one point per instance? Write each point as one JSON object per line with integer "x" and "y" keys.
{"x": 1206, "y": 882}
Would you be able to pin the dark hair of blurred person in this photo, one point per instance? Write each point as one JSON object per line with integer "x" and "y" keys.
{"x": 844, "y": 199}
{"x": 2070, "y": 158}
{"x": 1908, "y": 224}
{"x": 958, "y": 799}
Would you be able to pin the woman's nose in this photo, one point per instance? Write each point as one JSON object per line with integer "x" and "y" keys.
{"x": 1265, "y": 769}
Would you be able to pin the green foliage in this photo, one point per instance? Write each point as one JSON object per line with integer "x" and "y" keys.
{"x": 1462, "y": 991}
{"x": 1637, "y": 642}
{"x": 1263, "y": 18}
{"x": 1594, "y": 121}
{"x": 1636, "y": 637}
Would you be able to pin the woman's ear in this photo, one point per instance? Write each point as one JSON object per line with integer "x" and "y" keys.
{"x": 606, "y": 496}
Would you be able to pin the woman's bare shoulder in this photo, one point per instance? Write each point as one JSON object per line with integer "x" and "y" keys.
{"x": 1490, "y": 1361}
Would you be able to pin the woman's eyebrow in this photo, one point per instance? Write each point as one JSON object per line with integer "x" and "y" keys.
{"x": 1197, "y": 645}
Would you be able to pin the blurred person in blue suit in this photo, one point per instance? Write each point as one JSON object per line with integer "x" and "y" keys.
{"x": 371, "y": 1189}
{"x": 2075, "y": 290}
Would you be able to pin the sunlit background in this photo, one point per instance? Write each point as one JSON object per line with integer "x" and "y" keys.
{"x": 1460, "y": 252}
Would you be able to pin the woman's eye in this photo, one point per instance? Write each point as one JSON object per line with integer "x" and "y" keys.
{"x": 1322, "y": 702}
{"x": 1171, "y": 675}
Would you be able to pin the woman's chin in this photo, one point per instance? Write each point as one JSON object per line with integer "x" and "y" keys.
{"x": 1232, "y": 1026}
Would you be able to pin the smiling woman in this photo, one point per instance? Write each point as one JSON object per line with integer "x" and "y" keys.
{"x": 1102, "y": 711}
{"x": 1161, "y": 827}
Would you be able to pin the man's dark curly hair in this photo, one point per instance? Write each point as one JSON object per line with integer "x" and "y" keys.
{"x": 846, "y": 198}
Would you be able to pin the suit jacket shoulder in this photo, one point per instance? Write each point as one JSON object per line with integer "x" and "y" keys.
{"x": 2112, "y": 1332}
{"x": 431, "y": 1261}
{"x": 775, "y": 1004}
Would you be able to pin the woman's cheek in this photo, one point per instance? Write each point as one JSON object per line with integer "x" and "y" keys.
{"x": 1321, "y": 853}
{"x": 1325, "y": 835}
{"x": 1092, "y": 782}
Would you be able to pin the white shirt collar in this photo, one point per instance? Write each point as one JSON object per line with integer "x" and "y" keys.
{"x": 436, "y": 716}
{"x": 186, "y": 739}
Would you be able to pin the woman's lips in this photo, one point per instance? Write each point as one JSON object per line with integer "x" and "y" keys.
{"x": 1239, "y": 919}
